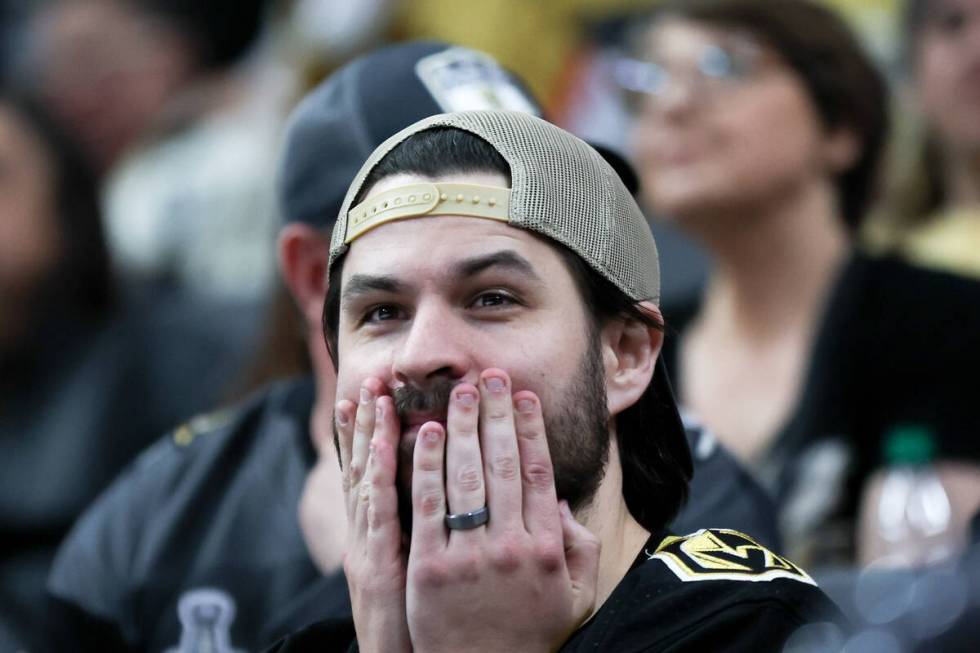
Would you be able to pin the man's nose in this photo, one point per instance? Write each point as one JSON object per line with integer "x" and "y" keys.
{"x": 435, "y": 346}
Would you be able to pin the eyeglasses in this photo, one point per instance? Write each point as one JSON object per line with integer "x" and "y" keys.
{"x": 716, "y": 68}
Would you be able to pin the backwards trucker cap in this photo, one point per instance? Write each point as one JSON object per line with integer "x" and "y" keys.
{"x": 337, "y": 126}
{"x": 561, "y": 188}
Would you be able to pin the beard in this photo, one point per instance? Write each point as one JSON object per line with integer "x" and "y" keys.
{"x": 576, "y": 423}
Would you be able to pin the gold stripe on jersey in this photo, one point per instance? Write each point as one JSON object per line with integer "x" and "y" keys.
{"x": 201, "y": 424}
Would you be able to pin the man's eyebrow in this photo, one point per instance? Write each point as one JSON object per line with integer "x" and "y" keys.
{"x": 504, "y": 259}
{"x": 362, "y": 284}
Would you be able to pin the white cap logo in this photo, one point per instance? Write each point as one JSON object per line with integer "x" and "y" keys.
{"x": 461, "y": 79}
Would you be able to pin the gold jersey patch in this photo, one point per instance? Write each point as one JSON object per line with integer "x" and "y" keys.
{"x": 722, "y": 554}
{"x": 186, "y": 433}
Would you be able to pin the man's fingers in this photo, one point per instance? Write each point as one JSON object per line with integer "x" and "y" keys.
{"x": 386, "y": 425}
{"x": 360, "y": 501}
{"x": 537, "y": 473}
{"x": 501, "y": 458}
{"x": 582, "y": 560}
{"x": 343, "y": 414}
{"x": 364, "y": 421}
{"x": 383, "y": 525}
{"x": 464, "y": 464}
{"x": 428, "y": 490}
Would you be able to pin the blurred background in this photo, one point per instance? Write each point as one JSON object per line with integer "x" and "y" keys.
{"x": 139, "y": 141}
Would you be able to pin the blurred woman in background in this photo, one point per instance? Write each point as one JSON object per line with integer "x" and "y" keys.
{"x": 933, "y": 216}
{"x": 759, "y": 127}
{"x": 85, "y": 382}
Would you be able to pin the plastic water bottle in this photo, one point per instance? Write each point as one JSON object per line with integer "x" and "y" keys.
{"x": 913, "y": 515}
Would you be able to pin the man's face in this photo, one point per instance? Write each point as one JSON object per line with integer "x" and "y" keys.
{"x": 427, "y": 303}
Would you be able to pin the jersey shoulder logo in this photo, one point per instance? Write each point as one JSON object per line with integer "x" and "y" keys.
{"x": 206, "y": 615}
{"x": 723, "y": 554}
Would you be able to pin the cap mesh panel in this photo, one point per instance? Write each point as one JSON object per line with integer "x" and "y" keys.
{"x": 560, "y": 188}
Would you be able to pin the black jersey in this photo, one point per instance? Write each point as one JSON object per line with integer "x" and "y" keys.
{"x": 205, "y": 524}
{"x": 199, "y": 540}
{"x": 713, "y": 590}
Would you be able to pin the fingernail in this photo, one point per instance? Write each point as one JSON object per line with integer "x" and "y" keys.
{"x": 379, "y": 411}
{"x": 342, "y": 419}
{"x": 466, "y": 399}
{"x": 525, "y": 405}
{"x": 563, "y": 506}
{"x": 495, "y": 384}
{"x": 366, "y": 395}
{"x": 430, "y": 436}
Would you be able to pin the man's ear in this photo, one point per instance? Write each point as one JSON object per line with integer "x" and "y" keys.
{"x": 304, "y": 253}
{"x": 630, "y": 352}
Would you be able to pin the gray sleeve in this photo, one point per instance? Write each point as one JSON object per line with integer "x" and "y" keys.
{"x": 723, "y": 494}
{"x": 93, "y": 568}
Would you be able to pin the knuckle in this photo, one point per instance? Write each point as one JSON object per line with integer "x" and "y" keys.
{"x": 430, "y": 503}
{"x": 538, "y": 476}
{"x": 429, "y": 463}
{"x": 506, "y": 557}
{"x": 530, "y": 430}
{"x": 469, "y": 478}
{"x": 356, "y": 472}
{"x": 464, "y": 431}
{"x": 504, "y": 466}
{"x": 549, "y": 556}
{"x": 466, "y": 568}
{"x": 497, "y": 414}
{"x": 592, "y": 541}
{"x": 373, "y": 518}
{"x": 430, "y": 574}
{"x": 362, "y": 423}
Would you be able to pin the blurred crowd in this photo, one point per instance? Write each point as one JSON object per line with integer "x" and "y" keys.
{"x": 811, "y": 171}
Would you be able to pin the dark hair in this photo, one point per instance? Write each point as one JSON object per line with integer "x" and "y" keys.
{"x": 223, "y": 31}
{"x": 281, "y": 351}
{"x": 845, "y": 86}
{"x": 654, "y": 483}
{"x": 84, "y": 276}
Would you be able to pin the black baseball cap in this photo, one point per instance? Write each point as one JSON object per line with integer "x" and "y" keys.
{"x": 335, "y": 128}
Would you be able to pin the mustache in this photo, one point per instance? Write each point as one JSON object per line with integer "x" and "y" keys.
{"x": 433, "y": 398}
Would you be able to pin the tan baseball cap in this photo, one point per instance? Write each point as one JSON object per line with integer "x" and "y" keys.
{"x": 562, "y": 189}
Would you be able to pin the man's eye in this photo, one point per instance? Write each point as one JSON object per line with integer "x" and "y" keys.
{"x": 493, "y": 299}
{"x": 382, "y": 313}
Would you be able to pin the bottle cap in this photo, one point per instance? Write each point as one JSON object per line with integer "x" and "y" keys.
{"x": 909, "y": 444}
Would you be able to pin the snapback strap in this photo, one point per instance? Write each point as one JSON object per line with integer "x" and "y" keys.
{"x": 427, "y": 199}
